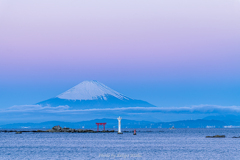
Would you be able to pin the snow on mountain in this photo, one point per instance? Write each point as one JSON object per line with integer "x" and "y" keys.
{"x": 90, "y": 90}
{"x": 93, "y": 94}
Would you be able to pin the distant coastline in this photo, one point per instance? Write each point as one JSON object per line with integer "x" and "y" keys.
{"x": 112, "y": 124}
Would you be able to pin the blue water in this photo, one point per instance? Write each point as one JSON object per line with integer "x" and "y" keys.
{"x": 170, "y": 144}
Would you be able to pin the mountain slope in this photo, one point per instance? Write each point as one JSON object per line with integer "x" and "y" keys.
{"x": 90, "y": 90}
{"x": 93, "y": 94}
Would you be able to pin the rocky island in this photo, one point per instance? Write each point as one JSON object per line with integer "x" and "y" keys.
{"x": 216, "y": 136}
{"x": 57, "y": 129}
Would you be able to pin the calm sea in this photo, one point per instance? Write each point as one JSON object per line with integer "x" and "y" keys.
{"x": 170, "y": 144}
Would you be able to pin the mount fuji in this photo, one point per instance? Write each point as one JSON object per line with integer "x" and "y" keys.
{"x": 93, "y": 94}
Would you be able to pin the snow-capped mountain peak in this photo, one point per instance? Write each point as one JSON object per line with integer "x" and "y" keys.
{"x": 93, "y": 94}
{"x": 90, "y": 90}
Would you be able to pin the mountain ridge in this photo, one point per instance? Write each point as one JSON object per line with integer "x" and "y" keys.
{"x": 126, "y": 123}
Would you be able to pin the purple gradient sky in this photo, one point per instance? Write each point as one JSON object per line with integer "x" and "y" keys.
{"x": 157, "y": 50}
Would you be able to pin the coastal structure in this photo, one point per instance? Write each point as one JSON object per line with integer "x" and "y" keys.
{"x": 119, "y": 125}
{"x": 101, "y": 124}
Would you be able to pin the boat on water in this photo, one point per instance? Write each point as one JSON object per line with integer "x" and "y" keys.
{"x": 172, "y": 128}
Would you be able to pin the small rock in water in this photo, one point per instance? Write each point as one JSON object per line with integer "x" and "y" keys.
{"x": 18, "y": 132}
{"x": 57, "y": 128}
{"x": 216, "y": 136}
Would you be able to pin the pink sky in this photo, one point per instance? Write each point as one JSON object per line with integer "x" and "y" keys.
{"x": 123, "y": 40}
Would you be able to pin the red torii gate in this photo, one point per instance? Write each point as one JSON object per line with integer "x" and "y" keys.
{"x": 101, "y": 124}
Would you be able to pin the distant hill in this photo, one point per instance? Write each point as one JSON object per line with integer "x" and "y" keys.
{"x": 224, "y": 118}
{"x": 200, "y": 123}
{"x": 112, "y": 123}
{"x": 233, "y": 120}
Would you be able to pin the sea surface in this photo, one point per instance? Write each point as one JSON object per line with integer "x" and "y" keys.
{"x": 147, "y": 144}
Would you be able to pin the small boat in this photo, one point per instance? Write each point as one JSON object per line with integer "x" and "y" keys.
{"x": 172, "y": 128}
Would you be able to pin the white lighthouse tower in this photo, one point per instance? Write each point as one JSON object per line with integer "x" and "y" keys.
{"x": 119, "y": 125}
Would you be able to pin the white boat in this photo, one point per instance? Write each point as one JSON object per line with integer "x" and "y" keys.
{"x": 172, "y": 128}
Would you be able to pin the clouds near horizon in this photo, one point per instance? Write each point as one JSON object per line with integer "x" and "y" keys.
{"x": 201, "y": 109}
{"x": 38, "y": 113}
